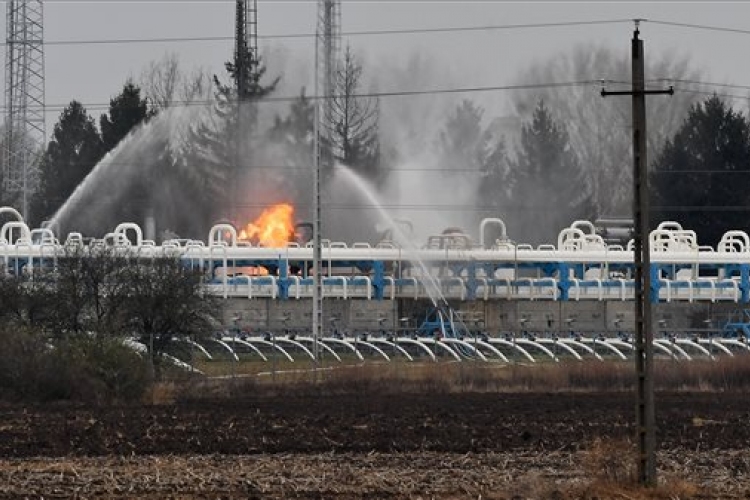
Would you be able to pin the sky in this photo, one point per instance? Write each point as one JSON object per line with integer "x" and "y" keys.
{"x": 94, "y": 72}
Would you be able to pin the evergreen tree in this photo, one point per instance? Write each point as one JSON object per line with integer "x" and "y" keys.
{"x": 549, "y": 188}
{"x": 475, "y": 156}
{"x": 597, "y": 128}
{"x": 126, "y": 110}
{"x": 464, "y": 144}
{"x": 292, "y": 141}
{"x": 74, "y": 150}
{"x": 699, "y": 178}
{"x": 296, "y": 130}
{"x": 224, "y": 143}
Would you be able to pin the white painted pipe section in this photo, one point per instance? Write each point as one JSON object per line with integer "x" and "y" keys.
{"x": 43, "y": 236}
{"x": 711, "y": 343}
{"x": 606, "y": 344}
{"x": 485, "y": 289}
{"x": 356, "y": 342}
{"x": 676, "y": 347}
{"x": 668, "y": 285}
{"x": 497, "y": 352}
{"x": 223, "y": 251}
{"x": 249, "y": 282}
{"x": 445, "y": 347}
{"x": 735, "y": 342}
{"x": 226, "y": 346}
{"x": 246, "y": 343}
{"x": 513, "y": 345}
{"x": 368, "y": 284}
{"x": 391, "y": 283}
{"x": 122, "y": 231}
{"x": 393, "y": 345}
{"x": 664, "y": 347}
{"x": 695, "y": 346}
{"x": 217, "y": 233}
{"x": 297, "y": 283}
{"x": 321, "y": 344}
{"x": 200, "y": 348}
{"x": 12, "y": 212}
{"x": 7, "y": 232}
{"x": 276, "y": 346}
{"x": 483, "y": 226}
{"x": 572, "y": 351}
{"x": 341, "y": 279}
{"x": 583, "y": 346}
{"x": 449, "y": 340}
{"x": 345, "y": 344}
{"x": 406, "y": 340}
{"x": 620, "y": 343}
{"x": 298, "y": 345}
{"x": 539, "y": 346}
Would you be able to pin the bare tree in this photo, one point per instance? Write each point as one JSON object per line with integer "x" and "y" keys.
{"x": 165, "y": 83}
{"x": 353, "y": 125}
{"x": 599, "y": 129}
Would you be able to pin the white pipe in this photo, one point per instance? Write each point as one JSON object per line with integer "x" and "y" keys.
{"x": 514, "y": 346}
{"x": 406, "y": 340}
{"x": 227, "y": 340}
{"x": 492, "y": 220}
{"x": 394, "y": 346}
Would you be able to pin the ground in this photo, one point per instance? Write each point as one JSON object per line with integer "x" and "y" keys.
{"x": 301, "y": 445}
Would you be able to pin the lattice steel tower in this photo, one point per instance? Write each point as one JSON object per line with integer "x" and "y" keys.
{"x": 329, "y": 53}
{"x": 246, "y": 46}
{"x": 24, "y": 100}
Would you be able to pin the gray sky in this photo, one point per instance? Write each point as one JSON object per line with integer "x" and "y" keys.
{"x": 93, "y": 73}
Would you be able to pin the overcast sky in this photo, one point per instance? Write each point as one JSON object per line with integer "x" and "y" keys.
{"x": 92, "y": 73}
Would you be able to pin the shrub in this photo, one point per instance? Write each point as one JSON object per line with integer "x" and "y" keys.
{"x": 81, "y": 368}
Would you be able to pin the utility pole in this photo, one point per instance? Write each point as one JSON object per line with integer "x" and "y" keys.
{"x": 644, "y": 335}
{"x": 327, "y": 43}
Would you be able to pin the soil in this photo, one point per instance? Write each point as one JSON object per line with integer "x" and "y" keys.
{"x": 489, "y": 445}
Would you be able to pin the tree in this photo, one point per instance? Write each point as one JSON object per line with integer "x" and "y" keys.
{"x": 353, "y": 124}
{"x": 164, "y": 83}
{"x": 74, "y": 150}
{"x": 126, "y": 110}
{"x": 549, "y": 187}
{"x": 699, "y": 176}
{"x": 464, "y": 144}
{"x": 166, "y": 304}
{"x": 293, "y": 139}
{"x": 224, "y": 142}
{"x": 599, "y": 128}
{"x": 474, "y": 156}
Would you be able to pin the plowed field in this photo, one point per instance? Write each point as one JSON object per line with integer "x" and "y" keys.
{"x": 527, "y": 445}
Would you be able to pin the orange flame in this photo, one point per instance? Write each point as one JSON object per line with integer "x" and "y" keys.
{"x": 273, "y": 228}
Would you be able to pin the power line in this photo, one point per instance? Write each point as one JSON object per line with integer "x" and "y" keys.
{"x": 381, "y": 32}
{"x": 708, "y": 93}
{"x": 698, "y": 26}
{"x": 701, "y": 83}
{"x": 395, "y": 93}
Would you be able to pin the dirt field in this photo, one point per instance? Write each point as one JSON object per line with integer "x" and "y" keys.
{"x": 381, "y": 446}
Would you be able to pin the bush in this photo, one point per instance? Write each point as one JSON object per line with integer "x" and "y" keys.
{"x": 83, "y": 369}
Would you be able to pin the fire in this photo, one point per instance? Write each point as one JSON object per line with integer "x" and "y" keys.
{"x": 273, "y": 228}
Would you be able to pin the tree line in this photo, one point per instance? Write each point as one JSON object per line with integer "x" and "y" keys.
{"x": 564, "y": 155}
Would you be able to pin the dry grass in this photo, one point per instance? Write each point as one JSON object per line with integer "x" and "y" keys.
{"x": 721, "y": 375}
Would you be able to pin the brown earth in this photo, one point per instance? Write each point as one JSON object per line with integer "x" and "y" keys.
{"x": 523, "y": 445}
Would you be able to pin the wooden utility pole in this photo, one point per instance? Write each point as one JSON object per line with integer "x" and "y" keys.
{"x": 644, "y": 335}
